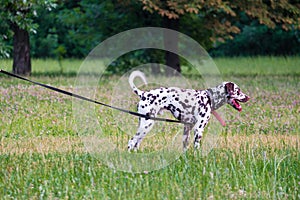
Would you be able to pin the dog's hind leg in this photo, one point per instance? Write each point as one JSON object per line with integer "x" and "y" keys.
{"x": 186, "y": 134}
{"x": 144, "y": 127}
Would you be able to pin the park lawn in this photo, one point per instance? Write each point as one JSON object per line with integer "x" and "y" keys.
{"x": 42, "y": 154}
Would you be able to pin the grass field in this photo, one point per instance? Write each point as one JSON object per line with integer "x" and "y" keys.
{"x": 257, "y": 156}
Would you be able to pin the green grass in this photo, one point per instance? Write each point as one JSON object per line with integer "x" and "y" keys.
{"x": 42, "y": 155}
{"x": 222, "y": 174}
{"x": 263, "y": 66}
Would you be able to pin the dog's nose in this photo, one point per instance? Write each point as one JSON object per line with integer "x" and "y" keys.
{"x": 247, "y": 98}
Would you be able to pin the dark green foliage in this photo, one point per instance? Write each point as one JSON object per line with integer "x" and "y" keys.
{"x": 135, "y": 59}
{"x": 74, "y": 28}
{"x": 256, "y": 39}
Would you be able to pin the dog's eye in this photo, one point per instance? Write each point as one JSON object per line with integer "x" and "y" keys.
{"x": 238, "y": 92}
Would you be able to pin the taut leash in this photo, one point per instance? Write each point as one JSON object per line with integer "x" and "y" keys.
{"x": 91, "y": 100}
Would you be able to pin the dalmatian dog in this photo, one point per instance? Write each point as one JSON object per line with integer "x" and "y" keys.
{"x": 194, "y": 107}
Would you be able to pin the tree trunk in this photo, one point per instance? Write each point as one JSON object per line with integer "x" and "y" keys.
{"x": 171, "y": 42}
{"x": 21, "y": 51}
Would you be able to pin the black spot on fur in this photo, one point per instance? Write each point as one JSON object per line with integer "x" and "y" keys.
{"x": 179, "y": 116}
{"x": 193, "y": 109}
{"x": 209, "y": 101}
{"x": 184, "y": 106}
{"x": 153, "y": 99}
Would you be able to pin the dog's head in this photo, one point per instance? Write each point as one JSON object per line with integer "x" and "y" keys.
{"x": 234, "y": 95}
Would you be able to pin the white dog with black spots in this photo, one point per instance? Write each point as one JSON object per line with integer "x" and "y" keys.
{"x": 193, "y": 107}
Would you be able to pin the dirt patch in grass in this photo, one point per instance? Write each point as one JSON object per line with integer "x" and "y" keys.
{"x": 238, "y": 142}
{"x": 74, "y": 144}
{"x": 41, "y": 145}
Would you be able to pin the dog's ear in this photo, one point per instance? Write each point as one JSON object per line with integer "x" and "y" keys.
{"x": 229, "y": 87}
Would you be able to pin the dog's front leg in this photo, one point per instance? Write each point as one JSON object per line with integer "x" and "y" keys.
{"x": 197, "y": 137}
{"x": 199, "y": 127}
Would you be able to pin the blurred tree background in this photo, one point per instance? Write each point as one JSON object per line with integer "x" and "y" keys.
{"x": 72, "y": 28}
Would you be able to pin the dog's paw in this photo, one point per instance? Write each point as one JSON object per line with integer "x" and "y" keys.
{"x": 129, "y": 148}
{"x": 132, "y": 146}
{"x": 132, "y": 149}
{"x": 197, "y": 145}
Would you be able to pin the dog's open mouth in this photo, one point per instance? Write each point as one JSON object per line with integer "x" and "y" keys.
{"x": 236, "y": 105}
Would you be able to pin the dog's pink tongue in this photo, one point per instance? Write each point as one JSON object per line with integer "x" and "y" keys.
{"x": 218, "y": 117}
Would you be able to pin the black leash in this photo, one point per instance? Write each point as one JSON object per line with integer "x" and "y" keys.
{"x": 90, "y": 100}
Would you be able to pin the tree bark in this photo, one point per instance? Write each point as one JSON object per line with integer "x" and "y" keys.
{"x": 21, "y": 51}
{"x": 171, "y": 42}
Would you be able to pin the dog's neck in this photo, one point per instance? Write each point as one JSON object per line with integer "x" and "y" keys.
{"x": 217, "y": 96}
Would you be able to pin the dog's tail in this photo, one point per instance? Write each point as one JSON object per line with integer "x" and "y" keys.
{"x": 132, "y": 76}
